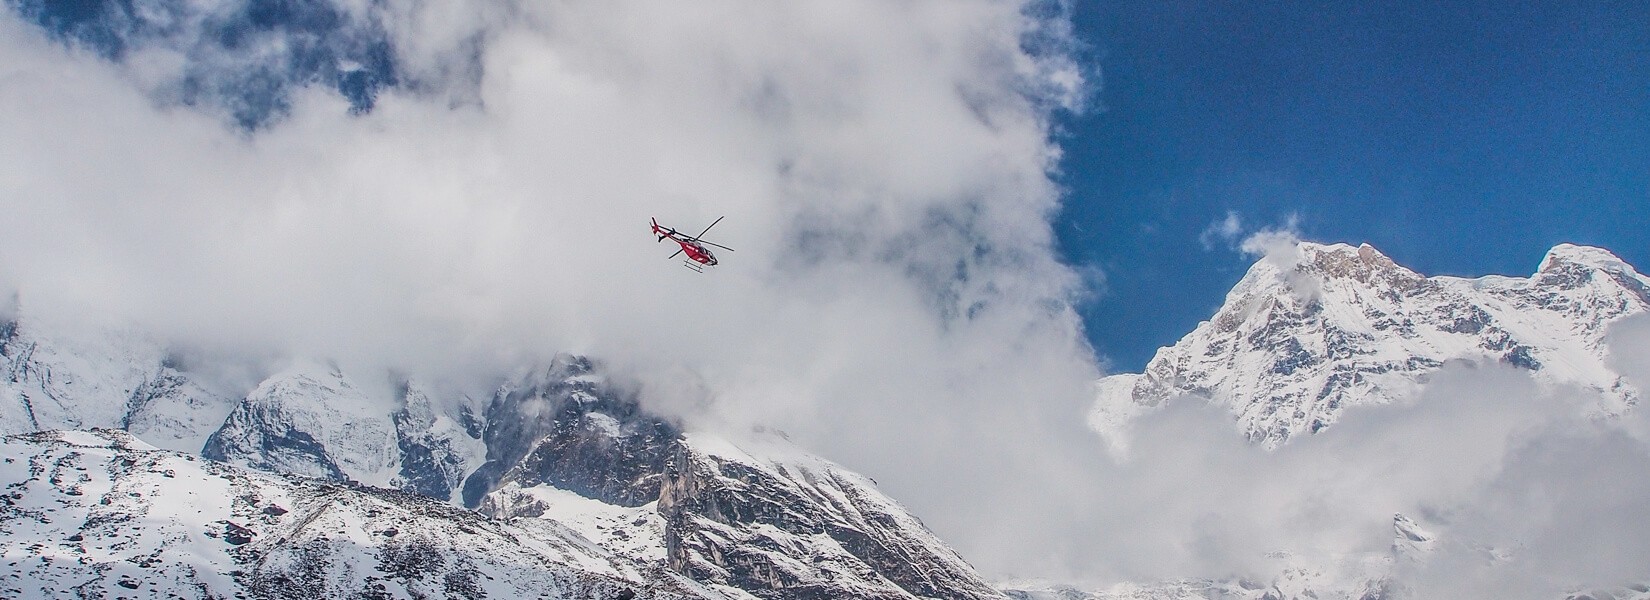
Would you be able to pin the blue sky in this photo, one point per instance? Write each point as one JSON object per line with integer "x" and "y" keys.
{"x": 1460, "y": 138}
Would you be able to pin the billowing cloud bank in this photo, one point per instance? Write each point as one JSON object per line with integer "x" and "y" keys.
{"x": 893, "y": 300}
{"x": 1517, "y": 494}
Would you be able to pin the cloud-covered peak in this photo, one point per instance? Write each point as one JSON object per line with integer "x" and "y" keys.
{"x": 1302, "y": 269}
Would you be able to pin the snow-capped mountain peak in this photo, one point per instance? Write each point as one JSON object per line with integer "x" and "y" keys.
{"x": 1310, "y": 331}
{"x": 1563, "y": 255}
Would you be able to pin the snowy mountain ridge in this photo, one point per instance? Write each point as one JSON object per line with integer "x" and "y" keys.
{"x": 605, "y": 498}
{"x": 87, "y": 512}
{"x": 1307, "y": 333}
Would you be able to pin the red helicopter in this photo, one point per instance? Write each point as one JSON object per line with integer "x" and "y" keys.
{"x": 698, "y": 255}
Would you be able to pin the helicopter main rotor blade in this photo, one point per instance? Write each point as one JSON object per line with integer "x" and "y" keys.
{"x": 716, "y": 244}
{"x": 707, "y": 227}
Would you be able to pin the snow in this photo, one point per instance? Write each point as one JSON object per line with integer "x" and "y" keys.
{"x": 1586, "y": 255}
{"x": 84, "y": 374}
{"x": 606, "y": 424}
{"x": 637, "y": 533}
{"x": 85, "y": 514}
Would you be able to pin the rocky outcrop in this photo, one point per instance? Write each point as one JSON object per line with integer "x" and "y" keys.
{"x": 567, "y": 426}
{"x": 764, "y": 518}
{"x": 437, "y": 450}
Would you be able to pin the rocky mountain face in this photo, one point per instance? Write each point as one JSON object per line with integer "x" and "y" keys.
{"x": 761, "y": 516}
{"x": 580, "y": 491}
{"x": 310, "y": 419}
{"x": 784, "y": 524}
{"x": 564, "y": 426}
{"x": 1303, "y": 336}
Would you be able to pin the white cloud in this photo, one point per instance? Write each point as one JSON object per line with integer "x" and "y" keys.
{"x": 1226, "y": 230}
{"x": 1528, "y": 497}
{"x": 1629, "y": 343}
{"x": 894, "y": 301}
{"x": 1275, "y": 244}
{"x": 1280, "y": 247}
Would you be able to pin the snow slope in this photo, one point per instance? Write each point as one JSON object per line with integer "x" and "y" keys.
{"x": 99, "y": 513}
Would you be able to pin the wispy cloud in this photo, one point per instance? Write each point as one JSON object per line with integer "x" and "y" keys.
{"x": 1277, "y": 244}
{"x": 1224, "y": 231}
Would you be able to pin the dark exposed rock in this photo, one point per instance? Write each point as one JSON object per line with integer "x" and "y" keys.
{"x": 236, "y": 534}
{"x": 566, "y": 427}
{"x": 1520, "y": 356}
{"x": 8, "y": 330}
{"x": 430, "y": 463}
{"x": 254, "y": 434}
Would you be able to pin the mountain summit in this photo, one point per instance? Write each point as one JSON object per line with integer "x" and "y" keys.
{"x": 1315, "y": 328}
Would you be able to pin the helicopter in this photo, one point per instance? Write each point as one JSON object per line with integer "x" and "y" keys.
{"x": 698, "y": 256}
